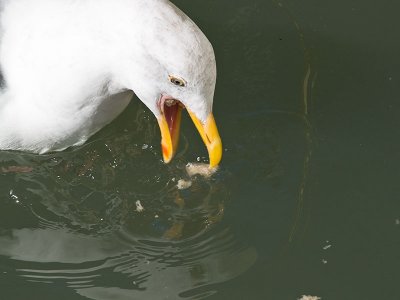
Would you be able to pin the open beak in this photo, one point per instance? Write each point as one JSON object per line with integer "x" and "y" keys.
{"x": 170, "y": 121}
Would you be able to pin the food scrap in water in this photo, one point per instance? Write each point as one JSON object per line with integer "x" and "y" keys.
{"x": 184, "y": 184}
{"x": 193, "y": 169}
{"x": 307, "y": 297}
{"x": 200, "y": 169}
{"x": 139, "y": 207}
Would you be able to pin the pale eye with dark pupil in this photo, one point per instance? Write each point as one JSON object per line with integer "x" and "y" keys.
{"x": 176, "y": 81}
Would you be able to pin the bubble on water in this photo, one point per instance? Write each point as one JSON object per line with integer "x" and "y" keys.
{"x": 327, "y": 246}
{"x": 13, "y": 196}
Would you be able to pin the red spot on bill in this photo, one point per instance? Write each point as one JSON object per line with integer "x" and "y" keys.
{"x": 165, "y": 150}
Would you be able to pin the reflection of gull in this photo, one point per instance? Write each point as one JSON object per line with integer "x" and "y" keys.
{"x": 149, "y": 271}
{"x": 56, "y": 246}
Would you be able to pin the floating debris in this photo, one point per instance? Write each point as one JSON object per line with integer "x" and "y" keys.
{"x": 184, "y": 184}
{"x": 139, "y": 207}
{"x": 307, "y": 297}
{"x": 200, "y": 169}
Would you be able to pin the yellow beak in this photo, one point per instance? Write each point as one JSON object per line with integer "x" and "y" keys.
{"x": 208, "y": 132}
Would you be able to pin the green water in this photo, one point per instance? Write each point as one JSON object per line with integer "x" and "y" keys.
{"x": 306, "y": 200}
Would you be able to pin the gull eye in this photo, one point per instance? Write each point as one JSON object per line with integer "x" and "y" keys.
{"x": 176, "y": 80}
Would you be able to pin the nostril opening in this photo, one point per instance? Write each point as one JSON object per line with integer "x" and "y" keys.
{"x": 208, "y": 139}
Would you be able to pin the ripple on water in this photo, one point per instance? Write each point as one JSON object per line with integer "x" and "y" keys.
{"x": 76, "y": 224}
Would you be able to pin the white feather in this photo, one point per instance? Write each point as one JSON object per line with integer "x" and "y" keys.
{"x": 70, "y": 66}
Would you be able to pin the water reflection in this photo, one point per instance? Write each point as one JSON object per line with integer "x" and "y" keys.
{"x": 97, "y": 267}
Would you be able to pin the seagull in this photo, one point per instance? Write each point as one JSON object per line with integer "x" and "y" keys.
{"x": 70, "y": 67}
